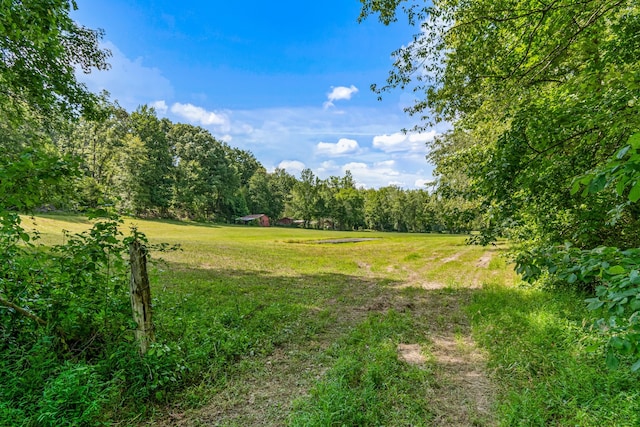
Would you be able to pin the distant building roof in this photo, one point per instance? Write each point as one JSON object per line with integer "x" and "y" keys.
{"x": 249, "y": 217}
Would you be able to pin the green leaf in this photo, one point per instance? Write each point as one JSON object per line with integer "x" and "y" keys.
{"x": 617, "y": 343}
{"x": 621, "y": 185}
{"x": 635, "y": 366}
{"x": 612, "y": 361}
{"x": 616, "y": 269}
{"x": 572, "y": 278}
{"x": 597, "y": 184}
{"x": 594, "y": 304}
{"x": 634, "y": 194}
{"x": 575, "y": 187}
{"x": 623, "y": 151}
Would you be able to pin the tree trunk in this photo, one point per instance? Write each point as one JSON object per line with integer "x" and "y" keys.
{"x": 141, "y": 296}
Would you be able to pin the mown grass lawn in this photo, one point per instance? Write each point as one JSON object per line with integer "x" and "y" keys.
{"x": 270, "y": 326}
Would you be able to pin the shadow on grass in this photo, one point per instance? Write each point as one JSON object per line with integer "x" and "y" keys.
{"x": 321, "y": 291}
{"x": 242, "y": 320}
{"x": 178, "y": 222}
{"x": 536, "y": 341}
{"x": 537, "y": 344}
{"x": 63, "y": 217}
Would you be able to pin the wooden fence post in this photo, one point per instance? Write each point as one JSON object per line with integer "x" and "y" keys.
{"x": 140, "y": 292}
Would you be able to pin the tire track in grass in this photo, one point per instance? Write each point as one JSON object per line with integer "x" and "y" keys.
{"x": 463, "y": 394}
{"x": 261, "y": 390}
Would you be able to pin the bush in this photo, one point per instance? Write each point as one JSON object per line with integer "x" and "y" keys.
{"x": 612, "y": 275}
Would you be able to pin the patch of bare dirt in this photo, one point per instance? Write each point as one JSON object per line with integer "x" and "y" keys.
{"x": 466, "y": 394}
{"x": 463, "y": 395}
{"x": 453, "y": 257}
{"x": 456, "y": 256}
{"x": 427, "y": 285}
{"x": 364, "y": 266}
{"x": 484, "y": 260}
{"x": 412, "y": 354}
{"x": 384, "y": 303}
{"x": 415, "y": 280}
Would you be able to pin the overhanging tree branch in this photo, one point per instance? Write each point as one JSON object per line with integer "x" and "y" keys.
{"x": 22, "y": 311}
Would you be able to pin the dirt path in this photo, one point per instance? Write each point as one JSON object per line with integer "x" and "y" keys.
{"x": 465, "y": 394}
{"x": 260, "y": 396}
{"x": 261, "y": 392}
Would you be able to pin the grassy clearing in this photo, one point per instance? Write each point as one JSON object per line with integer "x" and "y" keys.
{"x": 268, "y": 327}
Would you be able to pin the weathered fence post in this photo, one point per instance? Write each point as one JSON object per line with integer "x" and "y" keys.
{"x": 140, "y": 292}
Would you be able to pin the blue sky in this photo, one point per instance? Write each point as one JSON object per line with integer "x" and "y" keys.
{"x": 287, "y": 80}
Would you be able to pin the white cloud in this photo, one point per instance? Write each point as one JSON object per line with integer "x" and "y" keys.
{"x": 160, "y": 106}
{"x": 354, "y": 166}
{"x": 400, "y": 141}
{"x": 198, "y": 115}
{"x": 328, "y": 167}
{"x": 130, "y": 82}
{"x": 379, "y": 174}
{"x": 339, "y": 93}
{"x": 389, "y": 140}
{"x": 342, "y": 147}
{"x": 293, "y": 133}
{"x": 386, "y": 163}
{"x": 342, "y": 92}
{"x": 292, "y": 166}
{"x": 421, "y": 183}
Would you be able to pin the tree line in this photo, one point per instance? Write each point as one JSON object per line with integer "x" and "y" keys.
{"x": 146, "y": 166}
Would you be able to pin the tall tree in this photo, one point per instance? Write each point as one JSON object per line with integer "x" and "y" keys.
{"x": 205, "y": 180}
{"x": 377, "y": 210}
{"x": 265, "y": 196}
{"x": 539, "y": 93}
{"x": 157, "y": 177}
{"x": 304, "y": 197}
{"x": 349, "y": 203}
{"x": 245, "y": 162}
{"x": 97, "y": 144}
{"x": 40, "y": 49}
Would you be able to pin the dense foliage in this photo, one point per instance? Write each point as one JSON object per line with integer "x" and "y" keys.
{"x": 543, "y": 99}
{"x": 40, "y": 49}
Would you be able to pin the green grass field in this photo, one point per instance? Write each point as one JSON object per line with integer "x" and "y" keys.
{"x": 271, "y": 326}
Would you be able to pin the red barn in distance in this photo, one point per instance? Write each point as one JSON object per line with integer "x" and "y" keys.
{"x": 261, "y": 219}
{"x": 285, "y": 221}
